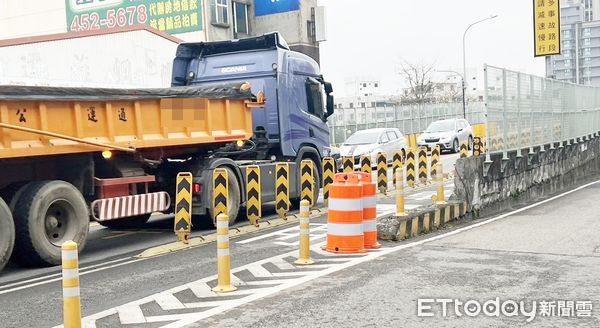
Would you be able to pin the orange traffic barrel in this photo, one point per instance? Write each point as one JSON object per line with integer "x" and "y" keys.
{"x": 345, "y": 215}
{"x": 369, "y": 201}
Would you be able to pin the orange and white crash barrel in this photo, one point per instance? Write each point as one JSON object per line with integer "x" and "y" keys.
{"x": 369, "y": 201}
{"x": 345, "y": 233}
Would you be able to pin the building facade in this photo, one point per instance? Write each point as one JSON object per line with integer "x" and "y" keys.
{"x": 579, "y": 61}
{"x": 300, "y": 22}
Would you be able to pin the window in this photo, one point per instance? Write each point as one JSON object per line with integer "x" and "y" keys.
{"x": 314, "y": 97}
{"x": 567, "y": 54}
{"x": 363, "y": 105}
{"x": 220, "y": 14}
{"x": 376, "y": 85}
{"x": 587, "y": 31}
{"x": 587, "y": 51}
{"x": 392, "y": 135}
{"x": 567, "y": 34}
{"x": 586, "y": 42}
{"x": 384, "y": 139}
{"x": 240, "y": 14}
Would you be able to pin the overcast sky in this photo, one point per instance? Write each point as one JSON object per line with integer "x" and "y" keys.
{"x": 367, "y": 39}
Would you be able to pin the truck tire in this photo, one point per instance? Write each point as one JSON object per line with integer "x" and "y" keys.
{"x": 47, "y": 214}
{"x": 12, "y": 193}
{"x": 133, "y": 222}
{"x": 7, "y": 234}
{"x": 233, "y": 199}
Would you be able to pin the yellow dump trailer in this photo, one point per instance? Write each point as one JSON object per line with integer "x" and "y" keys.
{"x": 71, "y": 154}
{"x": 51, "y": 121}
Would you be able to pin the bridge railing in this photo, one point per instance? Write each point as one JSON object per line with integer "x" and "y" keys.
{"x": 526, "y": 111}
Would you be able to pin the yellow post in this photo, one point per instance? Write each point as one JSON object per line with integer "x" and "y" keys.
{"x": 223, "y": 260}
{"x": 328, "y": 175}
{"x": 400, "y": 193}
{"x": 410, "y": 168}
{"x": 307, "y": 181}
{"x": 396, "y": 164}
{"x": 183, "y": 206}
{"x": 70, "y": 275}
{"x": 439, "y": 177}
{"x": 348, "y": 164}
{"x": 382, "y": 172}
{"x": 435, "y": 158}
{"x": 282, "y": 194}
{"x": 365, "y": 164}
{"x": 423, "y": 165}
{"x": 304, "y": 257}
{"x": 253, "y": 194}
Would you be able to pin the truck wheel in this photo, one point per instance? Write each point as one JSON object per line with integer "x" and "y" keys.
{"x": 7, "y": 234}
{"x": 233, "y": 199}
{"x": 133, "y": 222}
{"x": 47, "y": 214}
{"x": 12, "y": 193}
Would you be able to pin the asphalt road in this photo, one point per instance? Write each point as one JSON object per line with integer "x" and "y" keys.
{"x": 112, "y": 277}
{"x": 547, "y": 253}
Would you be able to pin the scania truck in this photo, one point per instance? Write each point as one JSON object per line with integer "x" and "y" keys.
{"x": 68, "y": 155}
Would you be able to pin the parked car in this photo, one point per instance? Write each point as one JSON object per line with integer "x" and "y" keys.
{"x": 371, "y": 141}
{"x": 335, "y": 154}
{"x": 448, "y": 134}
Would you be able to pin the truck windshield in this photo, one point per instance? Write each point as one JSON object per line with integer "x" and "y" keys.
{"x": 362, "y": 138}
{"x": 440, "y": 126}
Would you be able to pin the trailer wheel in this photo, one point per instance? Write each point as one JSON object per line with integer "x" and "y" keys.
{"x": 7, "y": 234}
{"x": 133, "y": 222}
{"x": 233, "y": 199}
{"x": 47, "y": 214}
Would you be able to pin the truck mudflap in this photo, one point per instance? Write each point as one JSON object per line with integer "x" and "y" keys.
{"x": 127, "y": 206}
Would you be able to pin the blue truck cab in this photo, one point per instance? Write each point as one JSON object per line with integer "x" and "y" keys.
{"x": 298, "y": 100}
{"x": 291, "y": 127}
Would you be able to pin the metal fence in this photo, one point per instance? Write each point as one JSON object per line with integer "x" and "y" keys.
{"x": 413, "y": 118}
{"x": 526, "y": 111}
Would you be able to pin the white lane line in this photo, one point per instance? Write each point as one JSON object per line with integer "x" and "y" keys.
{"x": 6, "y": 291}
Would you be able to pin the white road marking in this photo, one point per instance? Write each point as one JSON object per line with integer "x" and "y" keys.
{"x": 304, "y": 276}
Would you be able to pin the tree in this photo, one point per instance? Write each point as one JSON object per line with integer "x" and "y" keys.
{"x": 418, "y": 77}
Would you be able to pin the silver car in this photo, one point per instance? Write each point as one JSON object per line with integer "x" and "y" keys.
{"x": 448, "y": 134}
{"x": 371, "y": 141}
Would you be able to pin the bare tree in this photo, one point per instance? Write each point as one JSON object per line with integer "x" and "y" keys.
{"x": 418, "y": 77}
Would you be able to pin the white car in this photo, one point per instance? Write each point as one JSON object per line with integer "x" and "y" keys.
{"x": 371, "y": 141}
{"x": 448, "y": 134}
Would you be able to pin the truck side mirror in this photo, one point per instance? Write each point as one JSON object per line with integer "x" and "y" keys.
{"x": 328, "y": 87}
{"x": 329, "y": 106}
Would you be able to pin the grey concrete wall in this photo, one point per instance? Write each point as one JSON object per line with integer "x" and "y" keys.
{"x": 501, "y": 184}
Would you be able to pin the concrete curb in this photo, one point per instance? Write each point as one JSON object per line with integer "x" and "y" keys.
{"x": 421, "y": 221}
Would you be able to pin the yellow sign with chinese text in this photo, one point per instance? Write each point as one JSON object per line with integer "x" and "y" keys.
{"x": 546, "y": 22}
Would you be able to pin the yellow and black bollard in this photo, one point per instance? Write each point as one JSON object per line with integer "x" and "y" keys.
{"x": 382, "y": 172}
{"x": 328, "y": 175}
{"x": 70, "y": 282}
{"x": 396, "y": 164}
{"x": 435, "y": 158}
{"x": 464, "y": 152}
{"x": 400, "y": 193}
{"x": 307, "y": 181}
{"x": 476, "y": 146}
{"x": 220, "y": 192}
{"x": 410, "y": 168}
{"x": 253, "y": 195}
{"x": 439, "y": 199}
{"x": 183, "y": 206}
{"x": 282, "y": 189}
{"x": 365, "y": 164}
{"x": 304, "y": 256}
{"x": 348, "y": 164}
{"x": 423, "y": 165}
{"x": 223, "y": 259}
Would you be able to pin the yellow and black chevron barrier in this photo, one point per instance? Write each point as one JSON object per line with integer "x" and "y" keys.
{"x": 382, "y": 172}
{"x": 410, "y": 168}
{"x": 282, "y": 189}
{"x": 477, "y": 147}
{"x": 253, "y": 195}
{"x": 348, "y": 164}
{"x": 435, "y": 158}
{"x": 423, "y": 165}
{"x": 396, "y": 164}
{"x": 220, "y": 192}
{"x": 183, "y": 206}
{"x": 464, "y": 152}
{"x": 365, "y": 164}
{"x": 307, "y": 181}
{"x": 328, "y": 175}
